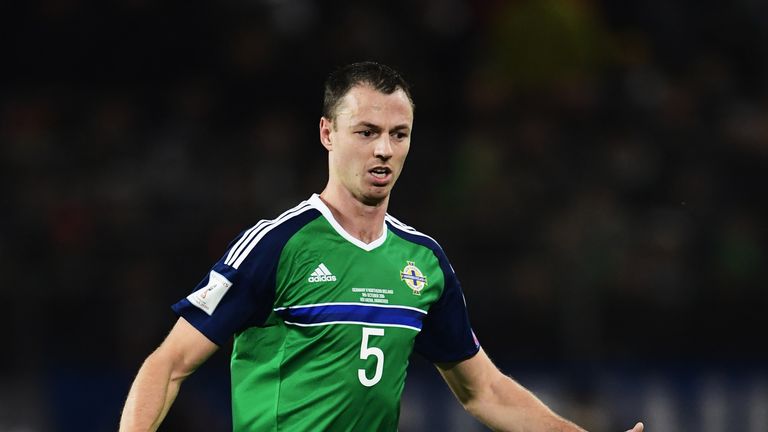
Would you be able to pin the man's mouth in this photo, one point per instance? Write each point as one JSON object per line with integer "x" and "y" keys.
{"x": 380, "y": 172}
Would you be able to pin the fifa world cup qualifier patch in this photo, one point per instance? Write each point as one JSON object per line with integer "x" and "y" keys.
{"x": 413, "y": 277}
{"x": 208, "y": 297}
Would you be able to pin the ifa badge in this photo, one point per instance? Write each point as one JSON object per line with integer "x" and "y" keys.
{"x": 413, "y": 277}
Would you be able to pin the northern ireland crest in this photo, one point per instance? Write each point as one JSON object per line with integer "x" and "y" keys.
{"x": 413, "y": 277}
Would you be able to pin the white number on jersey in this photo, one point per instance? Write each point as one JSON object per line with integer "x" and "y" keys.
{"x": 366, "y": 351}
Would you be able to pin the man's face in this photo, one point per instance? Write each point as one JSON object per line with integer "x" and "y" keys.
{"x": 368, "y": 142}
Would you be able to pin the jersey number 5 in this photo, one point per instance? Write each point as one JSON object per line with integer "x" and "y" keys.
{"x": 367, "y": 351}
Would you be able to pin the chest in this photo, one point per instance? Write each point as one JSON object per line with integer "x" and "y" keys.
{"x": 323, "y": 269}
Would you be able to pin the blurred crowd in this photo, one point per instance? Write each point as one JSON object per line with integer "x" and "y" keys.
{"x": 594, "y": 170}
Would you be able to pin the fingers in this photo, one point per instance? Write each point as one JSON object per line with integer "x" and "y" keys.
{"x": 638, "y": 428}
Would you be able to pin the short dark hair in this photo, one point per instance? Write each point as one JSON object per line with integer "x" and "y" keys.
{"x": 381, "y": 77}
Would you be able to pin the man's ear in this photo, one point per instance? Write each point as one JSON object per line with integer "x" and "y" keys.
{"x": 326, "y": 127}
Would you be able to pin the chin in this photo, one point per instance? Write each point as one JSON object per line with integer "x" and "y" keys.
{"x": 374, "y": 198}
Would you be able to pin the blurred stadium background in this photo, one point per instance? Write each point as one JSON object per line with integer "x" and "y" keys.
{"x": 595, "y": 170}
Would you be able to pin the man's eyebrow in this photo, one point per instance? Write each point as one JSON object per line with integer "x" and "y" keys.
{"x": 377, "y": 128}
{"x": 368, "y": 125}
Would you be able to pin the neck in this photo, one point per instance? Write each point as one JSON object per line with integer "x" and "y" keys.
{"x": 362, "y": 221}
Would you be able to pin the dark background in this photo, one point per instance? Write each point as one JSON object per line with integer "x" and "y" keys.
{"x": 595, "y": 170}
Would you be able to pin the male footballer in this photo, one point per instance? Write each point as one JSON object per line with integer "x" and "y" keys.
{"x": 327, "y": 301}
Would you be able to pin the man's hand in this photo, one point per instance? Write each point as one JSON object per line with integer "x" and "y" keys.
{"x": 638, "y": 428}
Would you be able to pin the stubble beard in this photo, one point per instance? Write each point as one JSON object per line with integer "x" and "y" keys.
{"x": 374, "y": 199}
{"x": 375, "y": 196}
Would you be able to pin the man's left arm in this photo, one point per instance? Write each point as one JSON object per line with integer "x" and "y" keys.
{"x": 498, "y": 401}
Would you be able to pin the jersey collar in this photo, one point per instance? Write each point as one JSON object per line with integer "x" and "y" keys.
{"x": 322, "y": 208}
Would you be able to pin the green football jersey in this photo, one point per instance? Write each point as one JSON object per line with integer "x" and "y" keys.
{"x": 324, "y": 324}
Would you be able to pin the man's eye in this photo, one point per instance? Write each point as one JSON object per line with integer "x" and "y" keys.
{"x": 366, "y": 133}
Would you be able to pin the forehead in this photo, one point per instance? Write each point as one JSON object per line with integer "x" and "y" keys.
{"x": 364, "y": 103}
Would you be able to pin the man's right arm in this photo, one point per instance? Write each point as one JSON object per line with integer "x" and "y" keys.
{"x": 157, "y": 383}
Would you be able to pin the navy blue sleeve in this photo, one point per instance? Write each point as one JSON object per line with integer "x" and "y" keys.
{"x": 239, "y": 290}
{"x": 446, "y": 335}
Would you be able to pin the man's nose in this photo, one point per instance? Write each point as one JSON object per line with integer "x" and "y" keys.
{"x": 383, "y": 147}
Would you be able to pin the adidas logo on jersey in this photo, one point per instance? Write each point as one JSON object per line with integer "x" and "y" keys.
{"x": 321, "y": 274}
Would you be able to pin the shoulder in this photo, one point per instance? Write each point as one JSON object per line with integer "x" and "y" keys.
{"x": 270, "y": 233}
{"x": 413, "y": 235}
